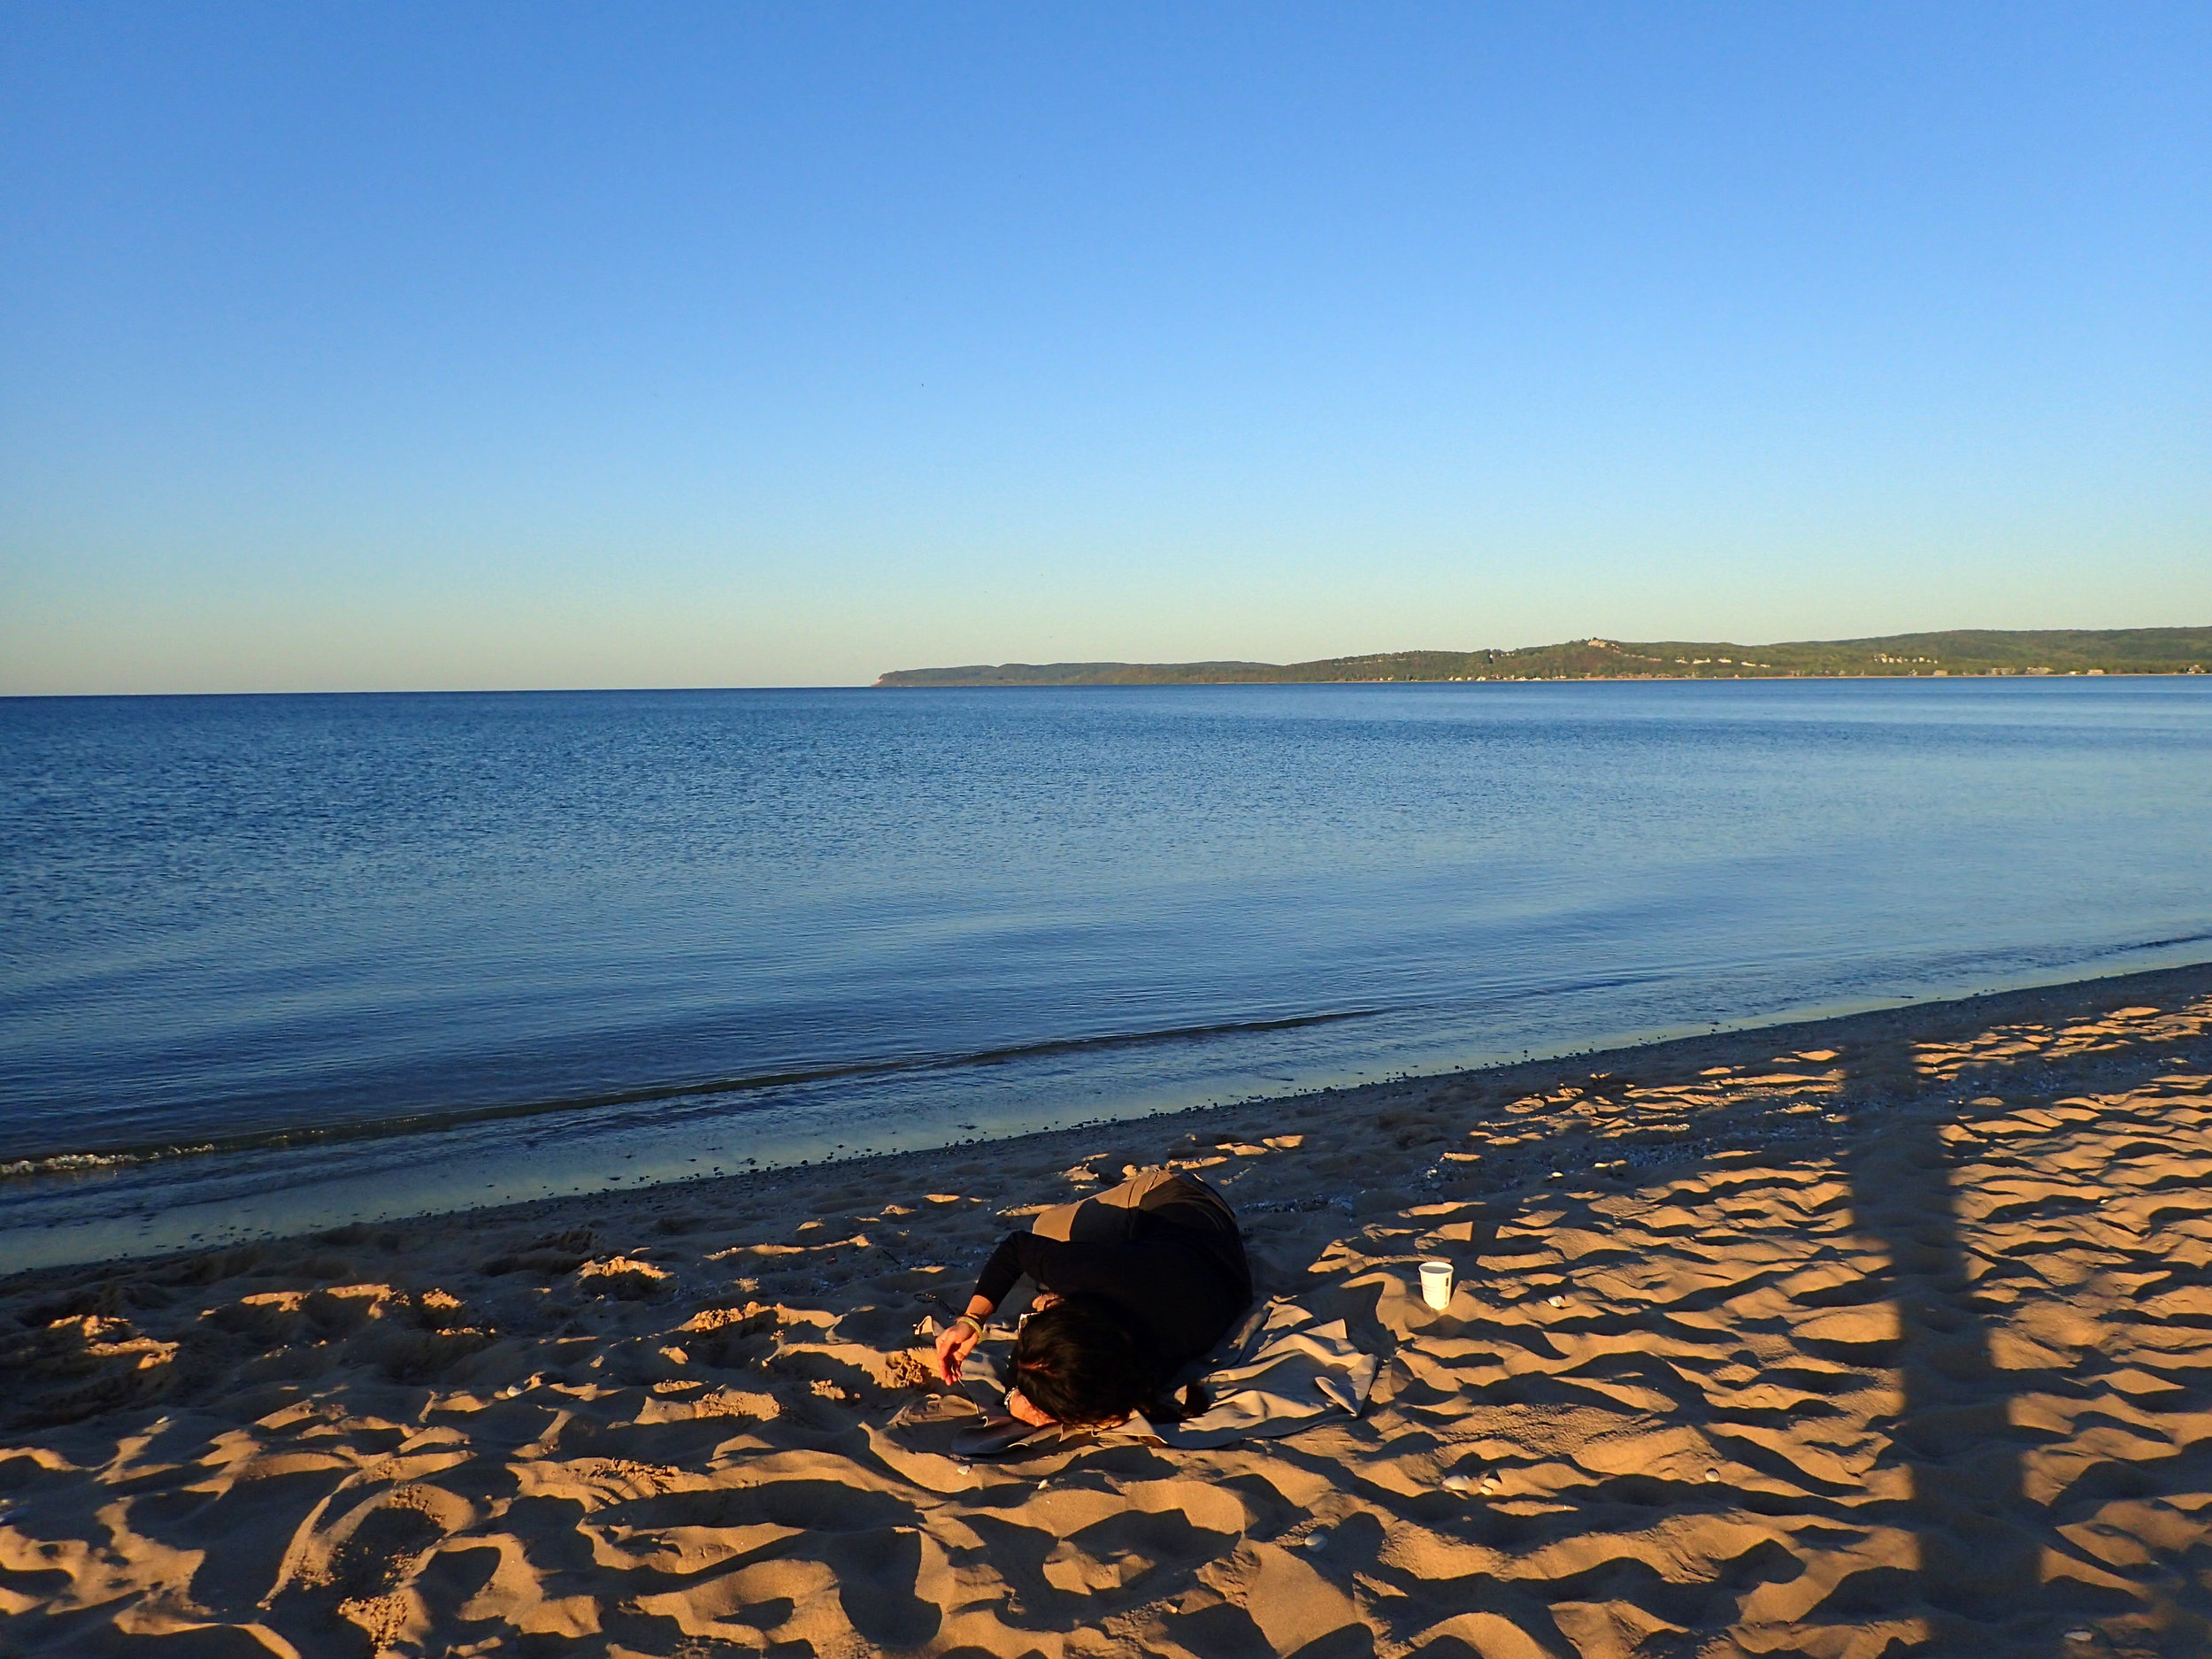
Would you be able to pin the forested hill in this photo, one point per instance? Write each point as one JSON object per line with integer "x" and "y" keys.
{"x": 1962, "y": 651}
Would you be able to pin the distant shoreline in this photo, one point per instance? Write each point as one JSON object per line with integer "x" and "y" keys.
{"x": 2051, "y": 653}
{"x": 885, "y": 682}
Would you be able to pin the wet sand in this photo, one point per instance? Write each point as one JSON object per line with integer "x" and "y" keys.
{"x": 1876, "y": 1335}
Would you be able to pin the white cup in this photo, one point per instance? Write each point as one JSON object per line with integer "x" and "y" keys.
{"x": 1436, "y": 1284}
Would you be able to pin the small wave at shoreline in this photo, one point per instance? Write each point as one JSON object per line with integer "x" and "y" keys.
{"x": 81, "y": 1160}
{"x": 68, "y": 1162}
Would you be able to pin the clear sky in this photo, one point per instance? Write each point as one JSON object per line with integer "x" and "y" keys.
{"x": 395, "y": 346}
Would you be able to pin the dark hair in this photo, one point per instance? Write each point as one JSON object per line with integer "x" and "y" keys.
{"x": 1079, "y": 1363}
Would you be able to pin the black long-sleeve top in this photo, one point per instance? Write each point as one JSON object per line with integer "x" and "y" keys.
{"x": 1176, "y": 1285}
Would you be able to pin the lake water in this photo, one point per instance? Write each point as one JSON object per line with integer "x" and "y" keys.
{"x": 384, "y": 955}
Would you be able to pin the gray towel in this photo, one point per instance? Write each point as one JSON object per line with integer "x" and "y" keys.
{"x": 1279, "y": 1373}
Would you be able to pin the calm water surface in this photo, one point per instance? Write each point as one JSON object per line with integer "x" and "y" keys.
{"x": 390, "y": 954}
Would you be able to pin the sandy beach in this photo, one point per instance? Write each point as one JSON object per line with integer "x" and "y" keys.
{"x": 1875, "y": 1335}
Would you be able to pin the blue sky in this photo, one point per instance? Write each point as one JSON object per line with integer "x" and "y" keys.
{"x": 380, "y": 346}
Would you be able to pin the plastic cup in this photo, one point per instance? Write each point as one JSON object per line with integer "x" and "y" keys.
{"x": 1436, "y": 1284}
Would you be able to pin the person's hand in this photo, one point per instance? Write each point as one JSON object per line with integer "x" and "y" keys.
{"x": 955, "y": 1343}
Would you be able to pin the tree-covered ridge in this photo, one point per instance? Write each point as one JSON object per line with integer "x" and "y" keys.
{"x": 1959, "y": 652}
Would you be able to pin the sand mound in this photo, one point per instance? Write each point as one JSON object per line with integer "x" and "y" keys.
{"x": 1885, "y": 1335}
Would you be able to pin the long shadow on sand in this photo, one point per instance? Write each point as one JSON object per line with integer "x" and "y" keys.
{"x": 1979, "y": 1555}
{"x": 2043, "y": 1260}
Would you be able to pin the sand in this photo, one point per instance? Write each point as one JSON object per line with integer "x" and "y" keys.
{"x": 1879, "y": 1335}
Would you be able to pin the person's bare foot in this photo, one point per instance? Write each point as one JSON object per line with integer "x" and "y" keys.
{"x": 1019, "y": 1407}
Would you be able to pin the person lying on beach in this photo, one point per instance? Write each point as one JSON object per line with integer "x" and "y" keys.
{"x": 1133, "y": 1285}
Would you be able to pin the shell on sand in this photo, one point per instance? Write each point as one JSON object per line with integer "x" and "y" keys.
{"x": 1884, "y": 1334}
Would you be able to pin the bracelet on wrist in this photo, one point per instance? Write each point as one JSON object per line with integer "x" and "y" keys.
{"x": 970, "y": 1321}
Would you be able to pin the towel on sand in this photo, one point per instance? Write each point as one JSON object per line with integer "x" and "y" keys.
{"x": 1277, "y": 1373}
